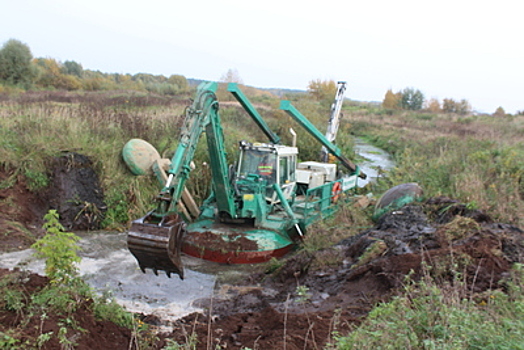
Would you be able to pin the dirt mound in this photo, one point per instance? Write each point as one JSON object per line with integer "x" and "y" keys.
{"x": 74, "y": 191}
{"x": 313, "y": 295}
{"x": 266, "y": 328}
{"x": 21, "y": 213}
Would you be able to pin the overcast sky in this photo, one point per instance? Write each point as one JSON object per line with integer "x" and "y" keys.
{"x": 447, "y": 48}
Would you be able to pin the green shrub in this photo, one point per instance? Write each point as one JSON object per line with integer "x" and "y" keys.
{"x": 8, "y": 342}
{"x": 106, "y": 308}
{"x": 59, "y": 249}
{"x": 36, "y": 180}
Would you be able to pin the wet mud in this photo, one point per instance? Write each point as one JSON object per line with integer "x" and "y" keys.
{"x": 312, "y": 295}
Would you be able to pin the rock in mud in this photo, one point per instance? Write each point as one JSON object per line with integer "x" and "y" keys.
{"x": 396, "y": 197}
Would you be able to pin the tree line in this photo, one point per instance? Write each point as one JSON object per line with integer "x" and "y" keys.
{"x": 19, "y": 70}
{"x": 411, "y": 99}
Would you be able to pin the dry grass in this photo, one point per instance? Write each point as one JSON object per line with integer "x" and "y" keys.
{"x": 476, "y": 159}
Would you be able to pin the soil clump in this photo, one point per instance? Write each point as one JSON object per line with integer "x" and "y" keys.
{"x": 76, "y": 193}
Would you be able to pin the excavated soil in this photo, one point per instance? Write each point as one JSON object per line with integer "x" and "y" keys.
{"x": 74, "y": 191}
{"x": 341, "y": 284}
{"x": 311, "y": 296}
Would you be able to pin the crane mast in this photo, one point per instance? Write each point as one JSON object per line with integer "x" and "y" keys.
{"x": 334, "y": 119}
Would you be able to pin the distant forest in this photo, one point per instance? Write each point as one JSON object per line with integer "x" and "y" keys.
{"x": 20, "y": 71}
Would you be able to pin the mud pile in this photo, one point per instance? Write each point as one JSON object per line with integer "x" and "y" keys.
{"x": 74, "y": 191}
{"x": 313, "y": 295}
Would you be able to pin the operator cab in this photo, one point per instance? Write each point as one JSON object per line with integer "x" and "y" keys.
{"x": 270, "y": 163}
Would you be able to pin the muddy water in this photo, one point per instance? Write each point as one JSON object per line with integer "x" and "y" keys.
{"x": 110, "y": 268}
{"x": 376, "y": 161}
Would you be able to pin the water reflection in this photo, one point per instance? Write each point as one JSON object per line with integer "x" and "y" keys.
{"x": 376, "y": 160}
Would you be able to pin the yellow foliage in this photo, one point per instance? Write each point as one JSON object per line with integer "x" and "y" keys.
{"x": 392, "y": 100}
{"x": 433, "y": 105}
{"x": 322, "y": 89}
{"x": 50, "y": 75}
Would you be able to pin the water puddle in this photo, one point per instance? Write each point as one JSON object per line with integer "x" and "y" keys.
{"x": 375, "y": 161}
{"x": 109, "y": 268}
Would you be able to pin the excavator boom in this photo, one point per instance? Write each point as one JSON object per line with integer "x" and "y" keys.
{"x": 156, "y": 239}
{"x": 306, "y": 124}
{"x": 253, "y": 214}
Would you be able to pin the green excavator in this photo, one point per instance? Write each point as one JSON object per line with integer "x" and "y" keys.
{"x": 258, "y": 209}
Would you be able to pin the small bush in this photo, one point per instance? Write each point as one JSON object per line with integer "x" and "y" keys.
{"x": 59, "y": 248}
{"x": 36, "y": 180}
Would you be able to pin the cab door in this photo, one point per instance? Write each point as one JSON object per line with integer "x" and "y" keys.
{"x": 286, "y": 175}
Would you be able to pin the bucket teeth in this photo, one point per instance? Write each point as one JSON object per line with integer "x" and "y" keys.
{"x": 158, "y": 246}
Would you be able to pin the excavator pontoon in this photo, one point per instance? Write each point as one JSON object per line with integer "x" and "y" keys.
{"x": 257, "y": 210}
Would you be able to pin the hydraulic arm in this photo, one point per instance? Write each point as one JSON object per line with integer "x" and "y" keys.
{"x": 201, "y": 116}
{"x": 239, "y": 95}
{"x": 306, "y": 124}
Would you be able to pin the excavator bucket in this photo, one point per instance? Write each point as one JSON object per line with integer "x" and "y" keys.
{"x": 158, "y": 245}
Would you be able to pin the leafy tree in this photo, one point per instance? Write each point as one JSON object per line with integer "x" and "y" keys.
{"x": 179, "y": 81}
{"x": 72, "y": 68}
{"x": 411, "y": 99}
{"x": 15, "y": 63}
{"x": 322, "y": 90}
{"x": 391, "y": 100}
{"x": 95, "y": 80}
{"x": 451, "y": 106}
{"x": 500, "y": 112}
{"x": 433, "y": 105}
{"x": 149, "y": 78}
{"x": 50, "y": 75}
{"x": 463, "y": 107}
{"x": 126, "y": 82}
